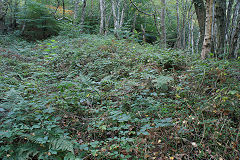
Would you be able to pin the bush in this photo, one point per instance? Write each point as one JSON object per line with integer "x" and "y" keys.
{"x": 37, "y": 22}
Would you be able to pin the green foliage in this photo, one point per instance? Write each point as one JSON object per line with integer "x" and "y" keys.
{"x": 31, "y": 129}
{"x": 36, "y": 22}
{"x": 95, "y": 97}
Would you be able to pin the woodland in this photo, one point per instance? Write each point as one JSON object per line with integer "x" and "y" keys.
{"x": 120, "y": 79}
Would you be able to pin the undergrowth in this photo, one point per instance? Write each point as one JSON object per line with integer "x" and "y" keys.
{"x": 96, "y": 97}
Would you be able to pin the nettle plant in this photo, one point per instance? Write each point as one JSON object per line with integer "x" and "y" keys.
{"x": 31, "y": 130}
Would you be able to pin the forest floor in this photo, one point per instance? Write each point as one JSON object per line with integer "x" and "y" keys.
{"x": 95, "y": 97}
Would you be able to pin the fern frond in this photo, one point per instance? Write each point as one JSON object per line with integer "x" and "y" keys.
{"x": 61, "y": 144}
{"x": 162, "y": 81}
{"x": 27, "y": 151}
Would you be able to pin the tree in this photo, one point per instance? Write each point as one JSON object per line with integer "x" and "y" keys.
{"x": 228, "y": 19}
{"x": 3, "y": 12}
{"x": 76, "y": 8}
{"x": 221, "y": 25}
{"x": 118, "y": 8}
{"x": 201, "y": 14}
{"x": 83, "y": 13}
{"x": 102, "y": 16}
{"x": 163, "y": 27}
{"x": 235, "y": 32}
{"x": 206, "y": 49}
{"x": 177, "y": 44}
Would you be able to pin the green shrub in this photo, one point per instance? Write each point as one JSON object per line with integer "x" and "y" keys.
{"x": 37, "y": 23}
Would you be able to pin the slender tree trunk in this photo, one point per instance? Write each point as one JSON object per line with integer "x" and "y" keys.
{"x": 178, "y": 42}
{"x": 63, "y": 4}
{"x": 156, "y": 23}
{"x": 118, "y": 16}
{"x": 228, "y": 18}
{"x": 190, "y": 33}
{"x": 134, "y": 22}
{"x": 76, "y": 8}
{"x": 121, "y": 19}
{"x": 197, "y": 43}
{"x": 206, "y": 49}
{"x": 144, "y": 33}
{"x": 107, "y": 21}
{"x": 114, "y": 17}
{"x": 2, "y": 15}
{"x": 214, "y": 30}
{"x": 163, "y": 27}
{"x": 3, "y": 12}
{"x": 221, "y": 27}
{"x": 15, "y": 14}
{"x": 183, "y": 25}
{"x": 91, "y": 11}
{"x": 2, "y": 24}
{"x": 234, "y": 41}
{"x": 13, "y": 6}
{"x": 102, "y": 17}
{"x": 233, "y": 21}
{"x": 83, "y": 14}
{"x": 178, "y": 24}
{"x": 235, "y": 35}
{"x": 192, "y": 37}
{"x": 201, "y": 14}
{"x": 189, "y": 22}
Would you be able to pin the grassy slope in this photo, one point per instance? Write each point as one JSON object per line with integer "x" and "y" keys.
{"x": 96, "y": 97}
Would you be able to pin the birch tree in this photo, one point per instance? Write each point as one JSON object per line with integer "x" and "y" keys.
{"x": 235, "y": 34}
{"x": 102, "y": 16}
{"x": 76, "y": 8}
{"x": 206, "y": 49}
{"x": 118, "y": 7}
{"x": 163, "y": 26}
{"x": 178, "y": 42}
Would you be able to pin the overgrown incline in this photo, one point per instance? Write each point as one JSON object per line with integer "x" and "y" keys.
{"x": 100, "y": 98}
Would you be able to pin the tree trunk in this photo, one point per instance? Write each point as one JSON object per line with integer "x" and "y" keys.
{"x": 233, "y": 21}
{"x": 178, "y": 42}
{"x": 221, "y": 27}
{"x": 214, "y": 30}
{"x": 190, "y": 32}
{"x": 193, "y": 44}
{"x": 234, "y": 41}
{"x": 134, "y": 22}
{"x": 107, "y": 21}
{"x": 13, "y": 7}
{"x": 102, "y": 17}
{"x": 83, "y": 14}
{"x": 91, "y": 10}
{"x": 201, "y": 14}
{"x": 183, "y": 25}
{"x": 235, "y": 35}
{"x": 163, "y": 27}
{"x": 144, "y": 34}
{"x": 63, "y": 5}
{"x": 206, "y": 49}
{"x": 3, "y": 12}
{"x": 118, "y": 16}
{"x": 122, "y": 16}
{"x": 228, "y": 17}
{"x": 114, "y": 17}
{"x": 76, "y": 8}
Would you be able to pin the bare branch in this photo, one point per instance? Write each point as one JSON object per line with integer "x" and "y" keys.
{"x": 149, "y": 14}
